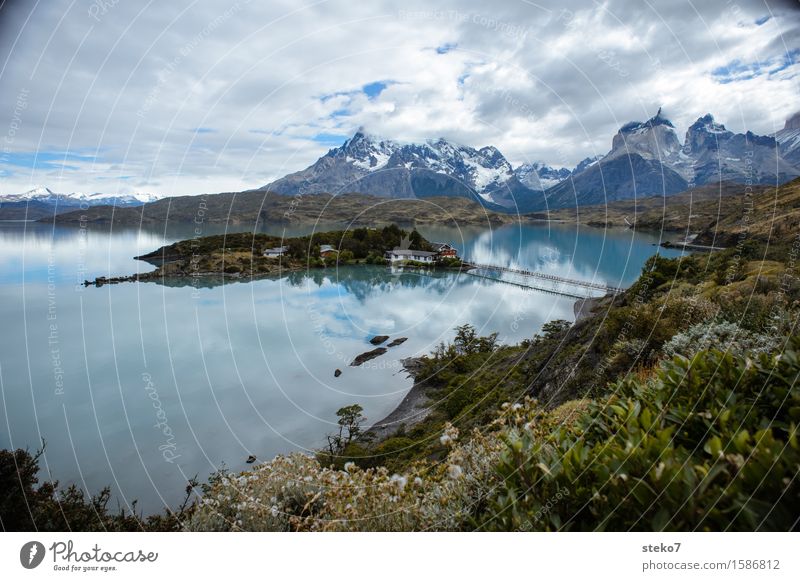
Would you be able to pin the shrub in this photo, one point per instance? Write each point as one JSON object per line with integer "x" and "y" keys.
{"x": 26, "y": 505}
{"x": 296, "y": 493}
{"x": 450, "y": 262}
{"x": 721, "y": 335}
{"x": 346, "y": 256}
{"x": 709, "y": 444}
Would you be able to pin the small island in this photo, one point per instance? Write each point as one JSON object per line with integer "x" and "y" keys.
{"x": 248, "y": 255}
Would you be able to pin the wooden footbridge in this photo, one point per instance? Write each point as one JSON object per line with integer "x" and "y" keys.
{"x": 541, "y": 281}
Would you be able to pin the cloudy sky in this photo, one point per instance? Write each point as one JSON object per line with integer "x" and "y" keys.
{"x": 188, "y": 97}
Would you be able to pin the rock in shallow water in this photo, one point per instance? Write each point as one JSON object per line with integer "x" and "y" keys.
{"x": 398, "y": 341}
{"x": 337, "y": 373}
{"x": 364, "y": 357}
{"x": 378, "y": 339}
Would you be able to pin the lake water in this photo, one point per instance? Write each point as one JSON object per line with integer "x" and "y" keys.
{"x": 141, "y": 386}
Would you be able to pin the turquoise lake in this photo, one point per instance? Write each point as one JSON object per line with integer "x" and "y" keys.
{"x": 141, "y": 386}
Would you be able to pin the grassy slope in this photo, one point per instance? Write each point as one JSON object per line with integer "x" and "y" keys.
{"x": 262, "y": 207}
{"x": 768, "y": 216}
{"x": 690, "y": 211}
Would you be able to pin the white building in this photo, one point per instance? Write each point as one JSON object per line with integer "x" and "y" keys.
{"x": 327, "y": 250}
{"x": 276, "y": 252}
{"x": 399, "y": 254}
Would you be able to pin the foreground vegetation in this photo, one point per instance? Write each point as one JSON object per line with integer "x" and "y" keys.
{"x": 708, "y": 443}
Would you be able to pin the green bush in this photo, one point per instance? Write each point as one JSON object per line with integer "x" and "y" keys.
{"x": 722, "y": 335}
{"x": 26, "y": 505}
{"x": 450, "y": 262}
{"x": 656, "y": 272}
{"x": 346, "y": 256}
{"x": 707, "y": 444}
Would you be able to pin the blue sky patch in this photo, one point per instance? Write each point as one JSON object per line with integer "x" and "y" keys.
{"x": 44, "y": 159}
{"x": 737, "y": 70}
{"x": 329, "y": 138}
{"x": 372, "y": 90}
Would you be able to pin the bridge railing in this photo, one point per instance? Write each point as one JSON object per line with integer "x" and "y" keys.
{"x": 552, "y": 277}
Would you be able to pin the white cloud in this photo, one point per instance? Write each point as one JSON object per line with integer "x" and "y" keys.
{"x": 539, "y": 82}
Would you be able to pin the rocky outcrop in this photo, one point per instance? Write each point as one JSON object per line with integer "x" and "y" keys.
{"x": 616, "y": 178}
{"x": 788, "y": 139}
{"x": 368, "y": 356}
{"x": 647, "y": 159}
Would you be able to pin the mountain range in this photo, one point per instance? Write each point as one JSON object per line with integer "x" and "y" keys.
{"x": 646, "y": 158}
{"x": 435, "y": 168}
{"x": 41, "y": 202}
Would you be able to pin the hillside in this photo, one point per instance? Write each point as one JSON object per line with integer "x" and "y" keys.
{"x": 659, "y": 213}
{"x": 252, "y": 208}
{"x": 770, "y": 216}
{"x": 710, "y": 215}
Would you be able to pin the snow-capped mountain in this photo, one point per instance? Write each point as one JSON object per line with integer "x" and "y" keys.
{"x": 652, "y": 139}
{"x": 369, "y": 164}
{"x": 717, "y": 154}
{"x": 45, "y": 195}
{"x": 585, "y": 163}
{"x": 647, "y": 158}
{"x": 539, "y": 176}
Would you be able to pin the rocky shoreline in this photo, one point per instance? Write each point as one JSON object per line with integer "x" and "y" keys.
{"x": 416, "y": 405}
{"x": 171, "y": 270}
{"x": 414, "y": 408}
{"x": 159, "y": 274}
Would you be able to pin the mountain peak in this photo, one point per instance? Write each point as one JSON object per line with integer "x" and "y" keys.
{"x": 540, "y": 176}
{"x": 792, "y": 122}
{"x": 659, "y": 119}
{"x": 652, "y": 139}
{"x": 707, "y": 124}
{"x": 434, "y": 167}
{"x": 705, "y": 133}
{"x": 37, "y": 192}
{"x": 639, "y": 126}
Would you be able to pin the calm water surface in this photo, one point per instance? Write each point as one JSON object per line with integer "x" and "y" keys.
{"x": 141, "y": 386}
